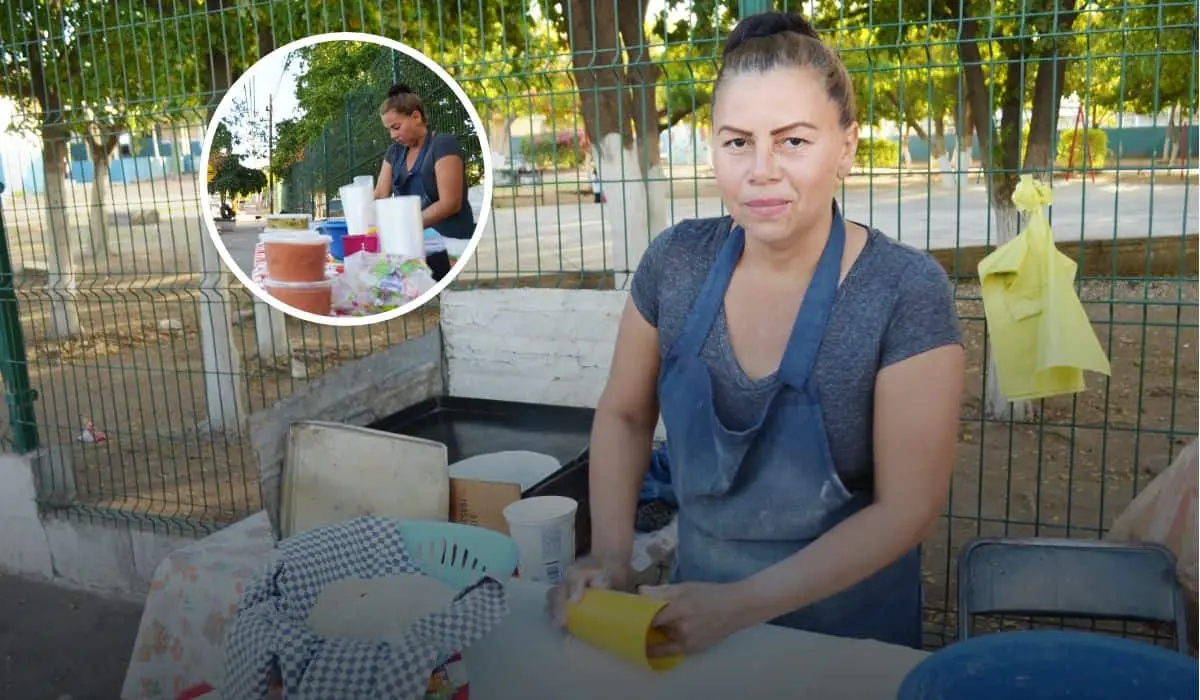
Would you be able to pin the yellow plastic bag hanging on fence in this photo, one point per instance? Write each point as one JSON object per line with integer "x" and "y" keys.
{"x": 1040, "y": 334}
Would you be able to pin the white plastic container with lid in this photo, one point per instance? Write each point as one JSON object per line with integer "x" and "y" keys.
{"x": 544, "y": 529}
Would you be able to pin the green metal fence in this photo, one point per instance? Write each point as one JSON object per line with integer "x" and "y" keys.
{"x": 131, "y": 326}
{"x": 353, "y": 142}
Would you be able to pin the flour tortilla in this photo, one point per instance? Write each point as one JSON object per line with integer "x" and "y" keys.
{"x": 379, "y": 609}
{"x": 508, "y": 467}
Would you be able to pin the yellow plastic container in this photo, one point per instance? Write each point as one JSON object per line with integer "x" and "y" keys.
{"x": 620, "y": 624}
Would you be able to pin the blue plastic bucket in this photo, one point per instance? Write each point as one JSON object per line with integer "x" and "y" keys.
{"x": 336, "y": 230}
{"x": 1052, "y": 665}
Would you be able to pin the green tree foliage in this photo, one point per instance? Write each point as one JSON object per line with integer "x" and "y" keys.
{"x": 228, "y": 177}
{"x": 1140, "y": 56}
{"x": 339, "y": 133}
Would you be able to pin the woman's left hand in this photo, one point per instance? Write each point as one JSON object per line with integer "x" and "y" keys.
{"x": 697, "y": 615}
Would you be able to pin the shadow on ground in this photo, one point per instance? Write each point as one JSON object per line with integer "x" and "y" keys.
{"x": 56, "y": 642}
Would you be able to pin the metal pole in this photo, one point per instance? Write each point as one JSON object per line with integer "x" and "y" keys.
{"x": 752, "y": 7}
{"x": 270, "y": 144}
{"x": 14, "y": 367}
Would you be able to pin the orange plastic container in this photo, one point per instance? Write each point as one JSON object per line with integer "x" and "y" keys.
{"x": 313, "y": 297}
{"x": 295, "y": 256}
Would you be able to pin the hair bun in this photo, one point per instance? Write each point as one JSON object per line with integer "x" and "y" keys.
{"x": 398, "y": 89}
{"x": 765, "y": 24}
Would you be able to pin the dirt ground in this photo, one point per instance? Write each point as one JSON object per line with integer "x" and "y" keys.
{"x": 57, "y": 643}
{"x": 1067, "y": 472}
{"x": 1071, "y": 470}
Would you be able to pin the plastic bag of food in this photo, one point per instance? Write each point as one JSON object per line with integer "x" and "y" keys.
{"x": 371, "y": 283}
{"x": 1165, "y": 513}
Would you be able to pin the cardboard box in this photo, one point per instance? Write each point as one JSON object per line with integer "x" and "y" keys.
{"x": 482, "y": 503}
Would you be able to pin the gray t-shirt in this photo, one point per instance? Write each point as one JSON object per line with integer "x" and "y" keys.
{"x": 896, "y": 302}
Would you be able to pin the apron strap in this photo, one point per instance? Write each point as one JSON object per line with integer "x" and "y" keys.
{"x": 712, "y": 294}
{"x": 408, "y": 174}
{"x": 809, "y": 329}
{"x": 424, "y": 152}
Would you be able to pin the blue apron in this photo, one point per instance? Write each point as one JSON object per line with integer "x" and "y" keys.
{"x": 413, "y": 184}
{"x": 750, "y": 499}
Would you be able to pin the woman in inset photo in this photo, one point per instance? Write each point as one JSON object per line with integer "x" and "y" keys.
{"x": 429, "y": 165}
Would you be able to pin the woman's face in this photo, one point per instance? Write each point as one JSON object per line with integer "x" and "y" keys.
{"x": 780, "y": 152}
{"x": 404, "y": 129}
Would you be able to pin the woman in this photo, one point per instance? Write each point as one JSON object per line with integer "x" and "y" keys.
{"x": 431, "y": 166}
{"x": 808, "y": 370}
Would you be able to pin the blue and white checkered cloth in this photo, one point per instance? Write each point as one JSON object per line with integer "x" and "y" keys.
{"x": 270, "y": 635}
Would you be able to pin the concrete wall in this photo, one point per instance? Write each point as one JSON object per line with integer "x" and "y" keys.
{"x": 550, "y": 346}
{"x": 117, "y": 558}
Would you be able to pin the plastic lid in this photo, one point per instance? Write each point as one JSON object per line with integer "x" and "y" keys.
{"x": 327, "y": 282}
{"x": 293, "y": 236}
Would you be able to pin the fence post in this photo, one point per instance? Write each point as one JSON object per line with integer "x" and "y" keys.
{"x": 753, "y": 7}
{"x": 13, "y": 366}
{"x": 325, "y": 159}
{"x": 346, "y": 108}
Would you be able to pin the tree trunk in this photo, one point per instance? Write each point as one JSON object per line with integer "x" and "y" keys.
{"x": 100, "y": 148}
{"x": 266, "y": 36}
{"x": 641, "y": 76}
{"x": 1170, "y": 142}
{"x": 1008, "y": 220}
{"x": 595, "y": 59}
{"x": 617, "y": 100}
{"x": 645, "y": 201}
{"x": 937, "y": 148}
{"x": 224, "y": 390}
{"x": 1001, "y": 176}
{"x": 966, "y": 143}
{"x": 916, "y": 126}
{"x": 60, "y": 263}
{"x": 1043, "y": 120}
{"x": 60, "y": 266}
{"x": 1039, "y": 156}
{"x": 937, "y": 151}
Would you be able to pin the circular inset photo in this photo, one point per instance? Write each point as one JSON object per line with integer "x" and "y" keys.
{"x": 346, "y": 178}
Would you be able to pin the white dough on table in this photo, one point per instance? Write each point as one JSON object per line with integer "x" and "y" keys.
{"x": 526, "y": 657}
{"x": 379, "y": 609}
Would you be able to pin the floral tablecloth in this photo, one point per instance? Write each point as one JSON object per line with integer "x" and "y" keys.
{"x": 193, "y": 596}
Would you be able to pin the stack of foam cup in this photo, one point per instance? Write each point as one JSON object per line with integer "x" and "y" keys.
{"x": 400, "y": 229}
{"x": 296, "y": 263}
{"x": 358, "y": 203}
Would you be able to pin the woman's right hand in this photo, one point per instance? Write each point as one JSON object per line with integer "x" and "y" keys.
{"x": 589, "y": 572}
